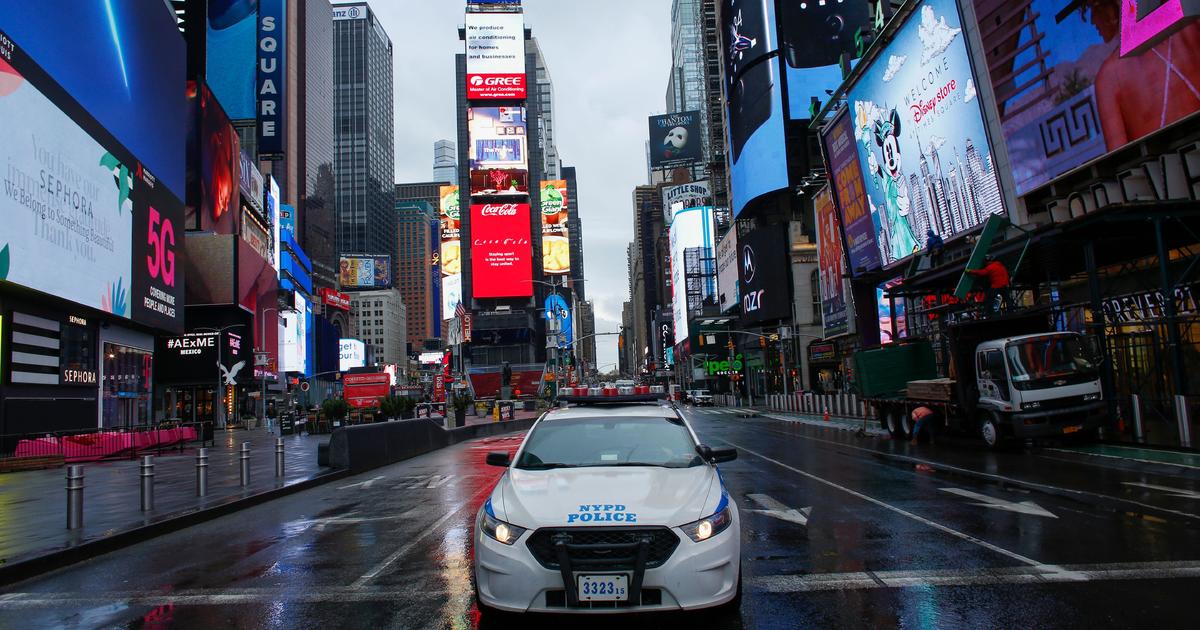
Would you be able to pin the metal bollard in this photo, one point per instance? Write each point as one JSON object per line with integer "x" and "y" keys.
{"x": 1137, "y": 419}
{"x": 279, "y": 457}
{"x": 74, "y": 496}
{"x": 1184, "y": 416}
{"x": 245, "y": 457}
{"x": 147, "y": 475}
{"x": 202, "y": 472}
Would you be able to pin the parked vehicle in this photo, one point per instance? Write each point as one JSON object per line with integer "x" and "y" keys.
{"x": 700, "y": 397}
{"x": 1006, "y": 377}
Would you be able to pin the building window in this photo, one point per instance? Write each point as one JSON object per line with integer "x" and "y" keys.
{"x": 816, "y": 297}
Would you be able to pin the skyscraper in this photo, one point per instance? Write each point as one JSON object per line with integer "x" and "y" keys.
{"x": 686, "y": 89}
{"x": 414, "y": 263}
{"x": 445, "y": 161}
{"x": 545, "y": 101}
{"x": 364, "y": 189}
{"x": 575, "y": 230}
{"x": 315, "y": 142}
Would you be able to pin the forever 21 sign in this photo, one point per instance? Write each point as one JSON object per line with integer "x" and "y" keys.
{"x": 763, "y": 269}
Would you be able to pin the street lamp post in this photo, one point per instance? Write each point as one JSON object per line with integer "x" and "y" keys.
{"x": 262, "y": 401}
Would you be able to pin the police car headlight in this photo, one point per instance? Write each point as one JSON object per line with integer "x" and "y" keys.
{"x": 709, "y": 526}
{"x": 500, "y": 531}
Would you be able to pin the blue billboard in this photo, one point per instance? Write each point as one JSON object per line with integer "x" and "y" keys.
{"x": 812, "y": 38}
{"x": 134, "y": 80}
{"x": 920, "y": 138}
{"x": 231, "y": 60}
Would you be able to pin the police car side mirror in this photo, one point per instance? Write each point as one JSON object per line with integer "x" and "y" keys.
{"x": 704, "y": 452}
{"x": 498, "y": 459}
{"x": 724, "y": 455}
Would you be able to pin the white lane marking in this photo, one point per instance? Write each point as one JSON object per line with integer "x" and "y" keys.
{"x": 363, "y": 485}
{"x": 1132, "y": 459}
{"x": 420, "y": 538}
{"x": 1175, "y": 492}
{"x": 1080, "y": 495}
{"x": 771, "y": 583}
{"x": 775, "y": 509}
{"x": 976, "y": 577}
{"x": 920, "y": 519}
{"x": 1024, "y": 507}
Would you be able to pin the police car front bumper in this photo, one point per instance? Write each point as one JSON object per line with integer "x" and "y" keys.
{"x": 696, "y": 575}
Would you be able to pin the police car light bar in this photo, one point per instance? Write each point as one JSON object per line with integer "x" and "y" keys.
{"x": 613, "y": 395}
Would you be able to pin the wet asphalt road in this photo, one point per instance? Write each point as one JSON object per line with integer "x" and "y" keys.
{"x": 885, "y": 545}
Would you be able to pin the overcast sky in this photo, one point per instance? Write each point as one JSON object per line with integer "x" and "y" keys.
{"x": 609, "y": 61}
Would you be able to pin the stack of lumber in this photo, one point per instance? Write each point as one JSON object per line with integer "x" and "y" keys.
{"x": 936, "y": 389}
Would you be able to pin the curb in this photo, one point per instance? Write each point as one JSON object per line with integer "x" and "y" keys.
{"x": 33, "y": 567}
{"x": 1116, "y": 504}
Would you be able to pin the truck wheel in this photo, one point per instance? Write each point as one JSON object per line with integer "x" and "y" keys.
{"x": 897, "y": 424}
{"x": 990, "y": 431}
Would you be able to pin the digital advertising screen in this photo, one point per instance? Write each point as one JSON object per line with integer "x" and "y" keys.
{"x": 676, "y": 140}
{"x": 835, "y": 297}
{"x": 850, "y": 195}
{"x": 920, "y": 136}
{"x": 763, "y": 270}
{"x": 232, "y": 35}
{"x": 450, "y": 259}
{"x": 219, "y": 205}
{"x": 500, "y": 182}
{"x": 727, "y": 272}
{"x": 883, "y": 300}
{"x": 498, "y": 138}
{"x": 271, "y": 82}
{"x": 495, "y": 56}
{"x": 501, "y": 251}
{"x": 352, "y": 353}
{"x": 812, "y": 38}
{"x": 365, "y": 272}
{"x": 133, "y": 81}
{"x": 689, "y": 228}
{"x": 1069, "y": 101}
{"x": 556, "y": 239}
{"x": 293, "y": 336}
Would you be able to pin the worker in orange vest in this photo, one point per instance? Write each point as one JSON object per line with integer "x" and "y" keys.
{"x": 920, "y": 416}
{"x": 997, "y": 277}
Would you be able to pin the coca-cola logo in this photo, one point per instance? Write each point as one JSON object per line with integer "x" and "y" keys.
{"x": 499, "y": 210}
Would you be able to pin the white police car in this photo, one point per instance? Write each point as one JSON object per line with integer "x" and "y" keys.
{"x": 609, "y": 508}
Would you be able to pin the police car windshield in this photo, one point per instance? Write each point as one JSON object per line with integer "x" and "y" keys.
{"x": 594, "y": 442}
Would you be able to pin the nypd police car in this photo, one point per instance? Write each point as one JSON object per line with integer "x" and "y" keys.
{"x": 610, "y": 505}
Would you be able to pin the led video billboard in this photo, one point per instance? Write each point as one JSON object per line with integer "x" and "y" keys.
{"x": 83, "y": 220}
{"x": 1070, "y": 100}
{"x": 763, "y": 271}
{"x": 727, "y": 272}
{"x": 500, "y": 182}
{"x": 365, "y": 272}
{"x": 556, "y": 239}
{"x": 676, "y": 140}
{"x": 689, "y": 228}
{"x": 812, "y": 38}
{"x": 450, "y": 258}
{"x": 352, "y": 353}
{"x": 835, "y": 306}
{"x": 231, "y": 28}
{"x": 921, "y": 138}
{"x": 498, "y": 138}
{"x": 133, "y": 81}
{"x": 218, "y": 207}
{"x": 495, "y": 56}
{"x": 501, "y": 251}
{"x": 850, "y": 195}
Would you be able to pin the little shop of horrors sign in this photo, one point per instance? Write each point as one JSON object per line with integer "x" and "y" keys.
{"x": 1150, "y": 306}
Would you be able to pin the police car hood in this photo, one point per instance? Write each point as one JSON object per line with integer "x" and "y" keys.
{"x": 608, "y": 496}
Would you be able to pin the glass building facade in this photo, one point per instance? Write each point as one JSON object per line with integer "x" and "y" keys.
{"x": 364, "y": 163}
{"x": 318, "y": 142}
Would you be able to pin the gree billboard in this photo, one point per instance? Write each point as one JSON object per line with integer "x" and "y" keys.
{"x": 921, "y": 138}
{"x": 501, "y": 251}
{"x": 495, "y": 56}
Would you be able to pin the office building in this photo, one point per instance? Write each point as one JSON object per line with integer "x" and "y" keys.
{"x": 575, "y": 230}
{"x": 364, "y": 192}
{"x": 445, "y": 161}
{"x": 415, "y": 230}
{"x": 379, "y": 319}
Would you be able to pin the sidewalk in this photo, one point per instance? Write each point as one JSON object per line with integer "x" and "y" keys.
{"x": 33, "y": 503}
{"x": 844, "y": 424}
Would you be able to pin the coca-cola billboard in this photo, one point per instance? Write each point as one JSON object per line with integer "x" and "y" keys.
{"x": 501, "y": 250}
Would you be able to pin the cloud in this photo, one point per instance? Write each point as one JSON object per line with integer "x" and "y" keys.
{"x": 971, "y": 91}
{"x": 936, "y": 36}
{"x": 895, "y": 62}
{"x": 936, "y": 142}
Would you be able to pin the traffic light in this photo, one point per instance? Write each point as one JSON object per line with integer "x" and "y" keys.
{"x": 762, "y": 342}
{"x": 730, "y": 345}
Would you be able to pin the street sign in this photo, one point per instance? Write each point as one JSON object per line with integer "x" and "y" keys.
{"x": 262, "y": 359}
{"x": 304, "y": 386}
{"x": 663, "y": 373}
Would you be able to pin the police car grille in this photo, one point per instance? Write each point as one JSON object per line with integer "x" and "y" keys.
{"x": 608, "y": 548}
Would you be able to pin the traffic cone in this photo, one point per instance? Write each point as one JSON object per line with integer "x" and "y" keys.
{"x": 1120, "y": 422}
{"x": 826, "y": 415}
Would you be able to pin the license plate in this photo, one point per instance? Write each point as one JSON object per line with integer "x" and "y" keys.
{"x": 603, "y": 588}
{"x": 1075, "y": 429}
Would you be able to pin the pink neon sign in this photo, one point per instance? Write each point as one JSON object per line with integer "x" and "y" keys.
{"x": 1146, "y": 22}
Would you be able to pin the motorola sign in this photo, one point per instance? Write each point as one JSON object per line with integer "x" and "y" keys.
{"x": 763, "y": 270}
